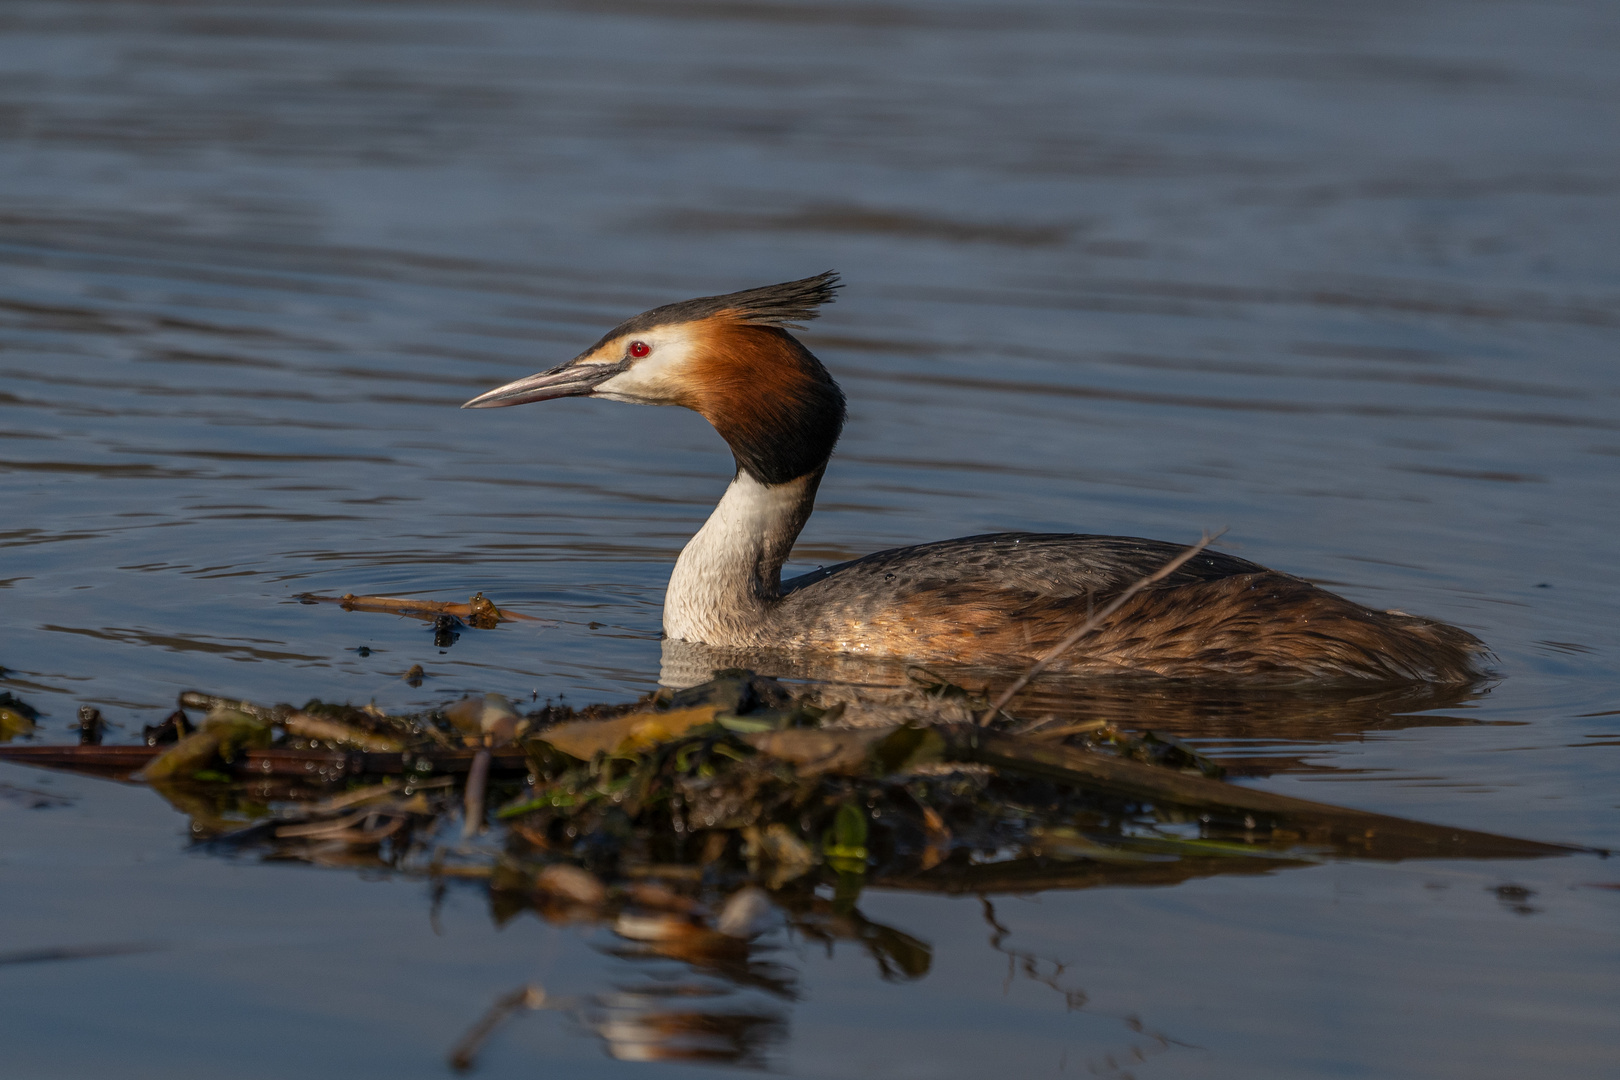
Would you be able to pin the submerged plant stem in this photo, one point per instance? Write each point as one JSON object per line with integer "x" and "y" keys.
{"x": 477, "y": 784}
{"x": 465, "y": 1052}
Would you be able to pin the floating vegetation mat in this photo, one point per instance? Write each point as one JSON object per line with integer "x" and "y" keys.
{"x": 692, "y": 822}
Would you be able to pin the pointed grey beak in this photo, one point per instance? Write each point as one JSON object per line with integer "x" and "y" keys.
{"x": 570, "y": 380}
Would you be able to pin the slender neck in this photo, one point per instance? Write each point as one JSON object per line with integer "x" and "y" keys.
{"x": 781, "y": 414}
{"x": 730, "y": 574}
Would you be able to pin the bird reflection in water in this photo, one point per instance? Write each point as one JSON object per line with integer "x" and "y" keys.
{"x": 699, "y": 994}
{"x": 712, "y": 988}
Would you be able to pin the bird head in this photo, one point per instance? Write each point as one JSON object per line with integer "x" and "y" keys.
{"x": 729, "y": 358}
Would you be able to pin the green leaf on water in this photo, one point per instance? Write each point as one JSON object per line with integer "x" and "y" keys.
{"x": 749, "y": 725}
{"x": 845, "y": 843}
{"x": 14, "y": 723}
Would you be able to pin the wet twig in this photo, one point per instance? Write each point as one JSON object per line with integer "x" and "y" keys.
{"x": 1362, "y": 832}
{"x": 477, "y": 784}
{"x": 466, "y": 1051}
{"x": 479, "y": 610}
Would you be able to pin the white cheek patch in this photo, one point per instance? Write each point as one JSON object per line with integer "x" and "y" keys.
{"x": 658, "y": 378}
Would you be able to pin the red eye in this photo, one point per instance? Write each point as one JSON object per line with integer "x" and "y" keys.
{"x": 638, "y": 349}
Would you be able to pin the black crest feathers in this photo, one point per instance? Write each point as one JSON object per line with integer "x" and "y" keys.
{"x": 787, "y": 305}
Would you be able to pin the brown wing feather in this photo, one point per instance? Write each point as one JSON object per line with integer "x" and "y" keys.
{"x": 1008, "y": 598}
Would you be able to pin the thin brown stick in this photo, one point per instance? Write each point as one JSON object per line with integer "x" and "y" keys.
{"x": 477, "y": 782}
{"x": 1095, "y": 621}
{"x": 1349, "y": 831}
{"x": 466, "y": 1050}
{"x": 419, "y": 609}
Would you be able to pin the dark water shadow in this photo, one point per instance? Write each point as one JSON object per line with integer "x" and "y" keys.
{"x": 1255, "y": 729}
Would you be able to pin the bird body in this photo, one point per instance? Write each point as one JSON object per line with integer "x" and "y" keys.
{"x": 987, "y": 600}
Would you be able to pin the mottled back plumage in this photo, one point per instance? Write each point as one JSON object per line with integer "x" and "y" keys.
{"x": 1007, "y": 598}
{"x": 1043, "y": 564}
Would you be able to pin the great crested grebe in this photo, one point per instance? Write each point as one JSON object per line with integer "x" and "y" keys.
{"x": 1000, "y": 599}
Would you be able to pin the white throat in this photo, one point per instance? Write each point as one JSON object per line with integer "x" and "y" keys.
{"x": 730, "y": 574}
